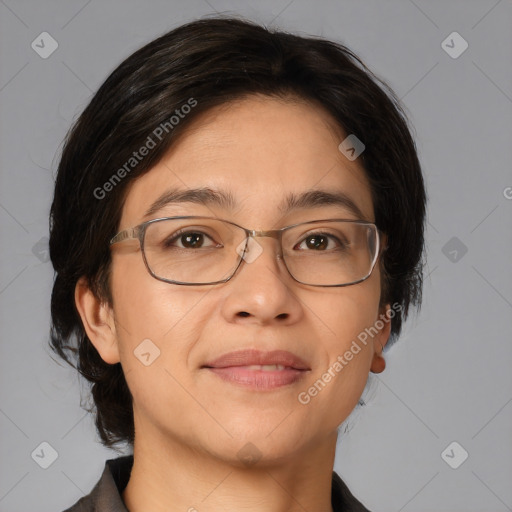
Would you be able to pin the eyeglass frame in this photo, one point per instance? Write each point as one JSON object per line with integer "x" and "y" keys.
{"x": 138, "y": 233}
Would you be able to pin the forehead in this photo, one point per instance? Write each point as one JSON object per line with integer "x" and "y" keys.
{"x": 261, "y": 154}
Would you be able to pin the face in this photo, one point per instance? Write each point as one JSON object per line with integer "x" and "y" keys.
{"x": 258, "y": 150}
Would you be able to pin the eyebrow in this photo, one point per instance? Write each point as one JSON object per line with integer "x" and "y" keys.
{"x": 224, "y": 199}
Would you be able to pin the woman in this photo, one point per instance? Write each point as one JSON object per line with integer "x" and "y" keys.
{"x": 237, "y": 232}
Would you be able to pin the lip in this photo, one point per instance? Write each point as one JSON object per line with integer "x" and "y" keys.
{"x": 235, "y": 368}
{"x": 258, "y": 357}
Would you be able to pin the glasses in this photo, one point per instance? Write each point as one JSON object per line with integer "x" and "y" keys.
{"x": 193, "y": 250}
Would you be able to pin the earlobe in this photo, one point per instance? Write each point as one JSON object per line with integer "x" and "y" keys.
{"x": 98, "y": 321}
{"x": 379, "y": 341}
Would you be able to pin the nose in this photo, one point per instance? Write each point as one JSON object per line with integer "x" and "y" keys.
{"x": 262, "y": 290}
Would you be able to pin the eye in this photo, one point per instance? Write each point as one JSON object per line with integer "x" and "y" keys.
{"x": 321, "y": 242}
{"x": 189, "y": 240}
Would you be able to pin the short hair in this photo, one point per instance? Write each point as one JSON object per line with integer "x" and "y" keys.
{"x": 203, "y": 64}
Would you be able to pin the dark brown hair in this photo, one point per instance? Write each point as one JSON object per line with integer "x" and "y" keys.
{"x": 213, "y": 61}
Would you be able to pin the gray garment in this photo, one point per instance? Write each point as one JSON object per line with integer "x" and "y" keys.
{"x": 106, "y": 494}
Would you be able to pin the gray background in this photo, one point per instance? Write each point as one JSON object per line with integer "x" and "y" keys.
{"x": 448, "y": 378}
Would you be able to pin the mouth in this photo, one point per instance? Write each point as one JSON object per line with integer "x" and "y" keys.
{"x": 280, "y": 359}
{"x": 259, "y": 370}
{"x": 265, "y": 367}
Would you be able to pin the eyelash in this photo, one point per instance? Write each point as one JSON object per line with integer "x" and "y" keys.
{"x": 176, "y": 236}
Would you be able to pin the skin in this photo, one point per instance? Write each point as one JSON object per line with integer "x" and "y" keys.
{"x": 190, "y": 424}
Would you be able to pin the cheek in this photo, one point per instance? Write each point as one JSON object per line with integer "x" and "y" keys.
{"x": 350, "y": 312}
{"x": 144, "y": 306}
{"x": 350, "y": 346}
{"x": 137, "y": 308}
{"x": 148, "y": 312}
{"x": 157, "y": 323}
{"x": 348, "y": 317}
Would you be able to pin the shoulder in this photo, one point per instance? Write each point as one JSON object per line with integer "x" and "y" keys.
{"x": 106, "y": 494}
{"x": 342, "y": 499}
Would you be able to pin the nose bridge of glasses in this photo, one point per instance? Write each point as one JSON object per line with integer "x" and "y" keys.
{"x": 273, "y": 233}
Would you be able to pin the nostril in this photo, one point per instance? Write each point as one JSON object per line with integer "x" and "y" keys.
{"x": 243, "y": 313}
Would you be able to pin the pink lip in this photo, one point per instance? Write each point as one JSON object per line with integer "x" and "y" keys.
{"x": 259, "y": 379}
{"x": 257, "y": 357}
{"x": 233, "y": 367}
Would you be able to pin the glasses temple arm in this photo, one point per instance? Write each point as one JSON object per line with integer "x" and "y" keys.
{"x": 124, "y": 235}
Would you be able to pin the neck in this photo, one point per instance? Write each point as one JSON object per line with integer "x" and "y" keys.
{"x": 169, "y": 475}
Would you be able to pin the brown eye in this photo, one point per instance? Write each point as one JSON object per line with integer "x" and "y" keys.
{"x": 317, "y": 242}
{"x": 189, "y": 240}
{"x": 321, "y": 242}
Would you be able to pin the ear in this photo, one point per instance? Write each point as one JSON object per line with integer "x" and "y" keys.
{"x": 383, "y": 324}
{"x": 98, "y": 321}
